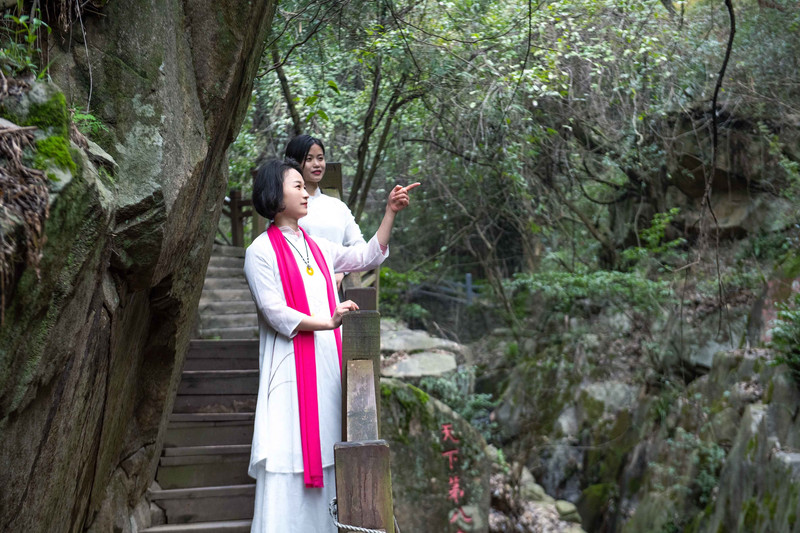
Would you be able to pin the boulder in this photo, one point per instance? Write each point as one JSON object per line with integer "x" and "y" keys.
{"x": 440, "y": 464}
{"x": 93, "y": 342}
{"x": 418, "y": 365}
{"x": 395, "y": 337}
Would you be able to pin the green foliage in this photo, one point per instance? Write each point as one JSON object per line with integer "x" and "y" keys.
{"x": 88, "y": 124}
{"x": 242, "y": 157}
{"x": 393, "y": 294}
{"x": 562, "y": 290}
{"x": 652, "y": 238}
{"x": 689, "y": 472}
{"x": 454, "y": 391}
{"x": 707, "y": 462}
{"x": 786, "y": 336}
{"x": 20, "y": 53}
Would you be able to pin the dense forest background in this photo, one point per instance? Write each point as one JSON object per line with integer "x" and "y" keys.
{"x": 619, "y": 178}
{"x": 570, "y": 147}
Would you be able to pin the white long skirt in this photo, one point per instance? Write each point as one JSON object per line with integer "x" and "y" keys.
{"x": 285, "y": 505}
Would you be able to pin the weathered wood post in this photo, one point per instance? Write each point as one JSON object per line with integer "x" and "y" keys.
{"x": 237, "y": 229}
{"x": 259, "y": 225}
{"x": 361, "y": 352}
{"x": 363, "y": 473}
{"x": 365, "y": 297}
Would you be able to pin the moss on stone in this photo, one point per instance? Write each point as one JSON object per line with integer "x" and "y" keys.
{"x": 72, "y": 230}
{"x": 594, "y": 502}
{"x": 769, "y": 393}
{"x": 421, "y": 395}
{"x": 52, "y": 115}
{"x": 752, "y": 514}
{"x": 592, "y": 408}
{"x": 771, "y": 504}
{"x": 752, "y": 444}
{"x": 54, "y": 149}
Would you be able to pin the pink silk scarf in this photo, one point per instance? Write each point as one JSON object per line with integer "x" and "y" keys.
{"x": 304, "y": 353}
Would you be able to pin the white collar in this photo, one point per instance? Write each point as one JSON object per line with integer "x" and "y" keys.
{"x": 288, "y": 231}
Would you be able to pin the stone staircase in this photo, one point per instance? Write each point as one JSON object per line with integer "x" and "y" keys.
{"x": 202, "y": 483}
{"x": 226, "y": 307}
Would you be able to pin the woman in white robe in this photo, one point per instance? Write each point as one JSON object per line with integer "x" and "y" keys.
{"x": 327, "y": 217}
{"x": 283, "y": 501}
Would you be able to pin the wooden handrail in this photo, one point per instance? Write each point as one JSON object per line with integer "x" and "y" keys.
{"x": 362, "y": 460}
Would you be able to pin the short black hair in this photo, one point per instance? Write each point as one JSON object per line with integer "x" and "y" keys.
{"x": 299, "y": 147}
{"x": 268, "y": 186}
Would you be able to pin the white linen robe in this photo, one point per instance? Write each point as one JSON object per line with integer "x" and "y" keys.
{"x": 276, "y": 458}
{"x": 330, "y": 218}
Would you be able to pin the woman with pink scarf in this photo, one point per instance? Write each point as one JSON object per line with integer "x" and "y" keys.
{"x": 298, "y": 414}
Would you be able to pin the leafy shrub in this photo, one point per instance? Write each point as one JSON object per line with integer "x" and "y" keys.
{"x": 609, "y": 288}
{"x": 652, "y": 239}
{"x": 454, "y": 391}
{"x": 88, "y": 124}
{"x": 19, "y": 50}
{"x": 392, "y": 295}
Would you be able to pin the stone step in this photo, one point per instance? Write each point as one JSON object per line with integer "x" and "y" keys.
{"x": 224, "y": 272}
{"x": 226, "y": 295}
{"x": 245, "y": 332}
{"x": 220, "y": 382}
{"x": 226, "y": 308}
{"x": 214, "y": 403}
{"x": 203, "y": 466}
{"x": 225, "y": 261}
{"x": 207, "y": 429}
{"x": 194, "y": 451}
{"x": 227, "y": 251}
{"x": 235, "y": 283}
{"x": 203, "y": 504}
{"x": 228, "y": 526}
{"x": 228, "y": 321}
{"x": 234, "y": 354}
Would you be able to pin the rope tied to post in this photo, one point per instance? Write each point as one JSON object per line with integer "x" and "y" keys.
{"x": 333, "y": 508}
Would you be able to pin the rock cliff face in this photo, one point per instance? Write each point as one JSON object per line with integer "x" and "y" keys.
{"x": 92, "y": 348}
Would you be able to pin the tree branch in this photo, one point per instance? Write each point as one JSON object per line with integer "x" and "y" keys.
{"x": 287, "y": 91}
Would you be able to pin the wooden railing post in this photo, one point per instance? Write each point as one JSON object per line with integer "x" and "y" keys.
{"x": 363, "y": 471}
{"x": 365, "y": 297}
{"x": 364, "y": 485}
{"x": 237, "y": 229}
{"x": 361, "y": 353}
{"x": 259, "y": 225}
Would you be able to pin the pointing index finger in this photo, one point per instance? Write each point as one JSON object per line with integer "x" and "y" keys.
{"x": 412, "y": 186}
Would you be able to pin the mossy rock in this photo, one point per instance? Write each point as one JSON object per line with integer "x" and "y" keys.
{"x": 44, "y": 107}
{"x": 427, "y": 463}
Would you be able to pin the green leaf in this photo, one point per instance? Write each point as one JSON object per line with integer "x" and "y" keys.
{"x": 332, "y": 85}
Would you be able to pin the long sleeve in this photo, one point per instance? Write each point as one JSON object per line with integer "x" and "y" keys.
{"x": 263, "y": 278}
{"x": 356, "y": 258}
{"x": 352, "y": 233}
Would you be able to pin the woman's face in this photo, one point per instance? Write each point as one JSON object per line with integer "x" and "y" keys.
{"x": 314, "y": 165}
{"x": 295, "y": 197}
